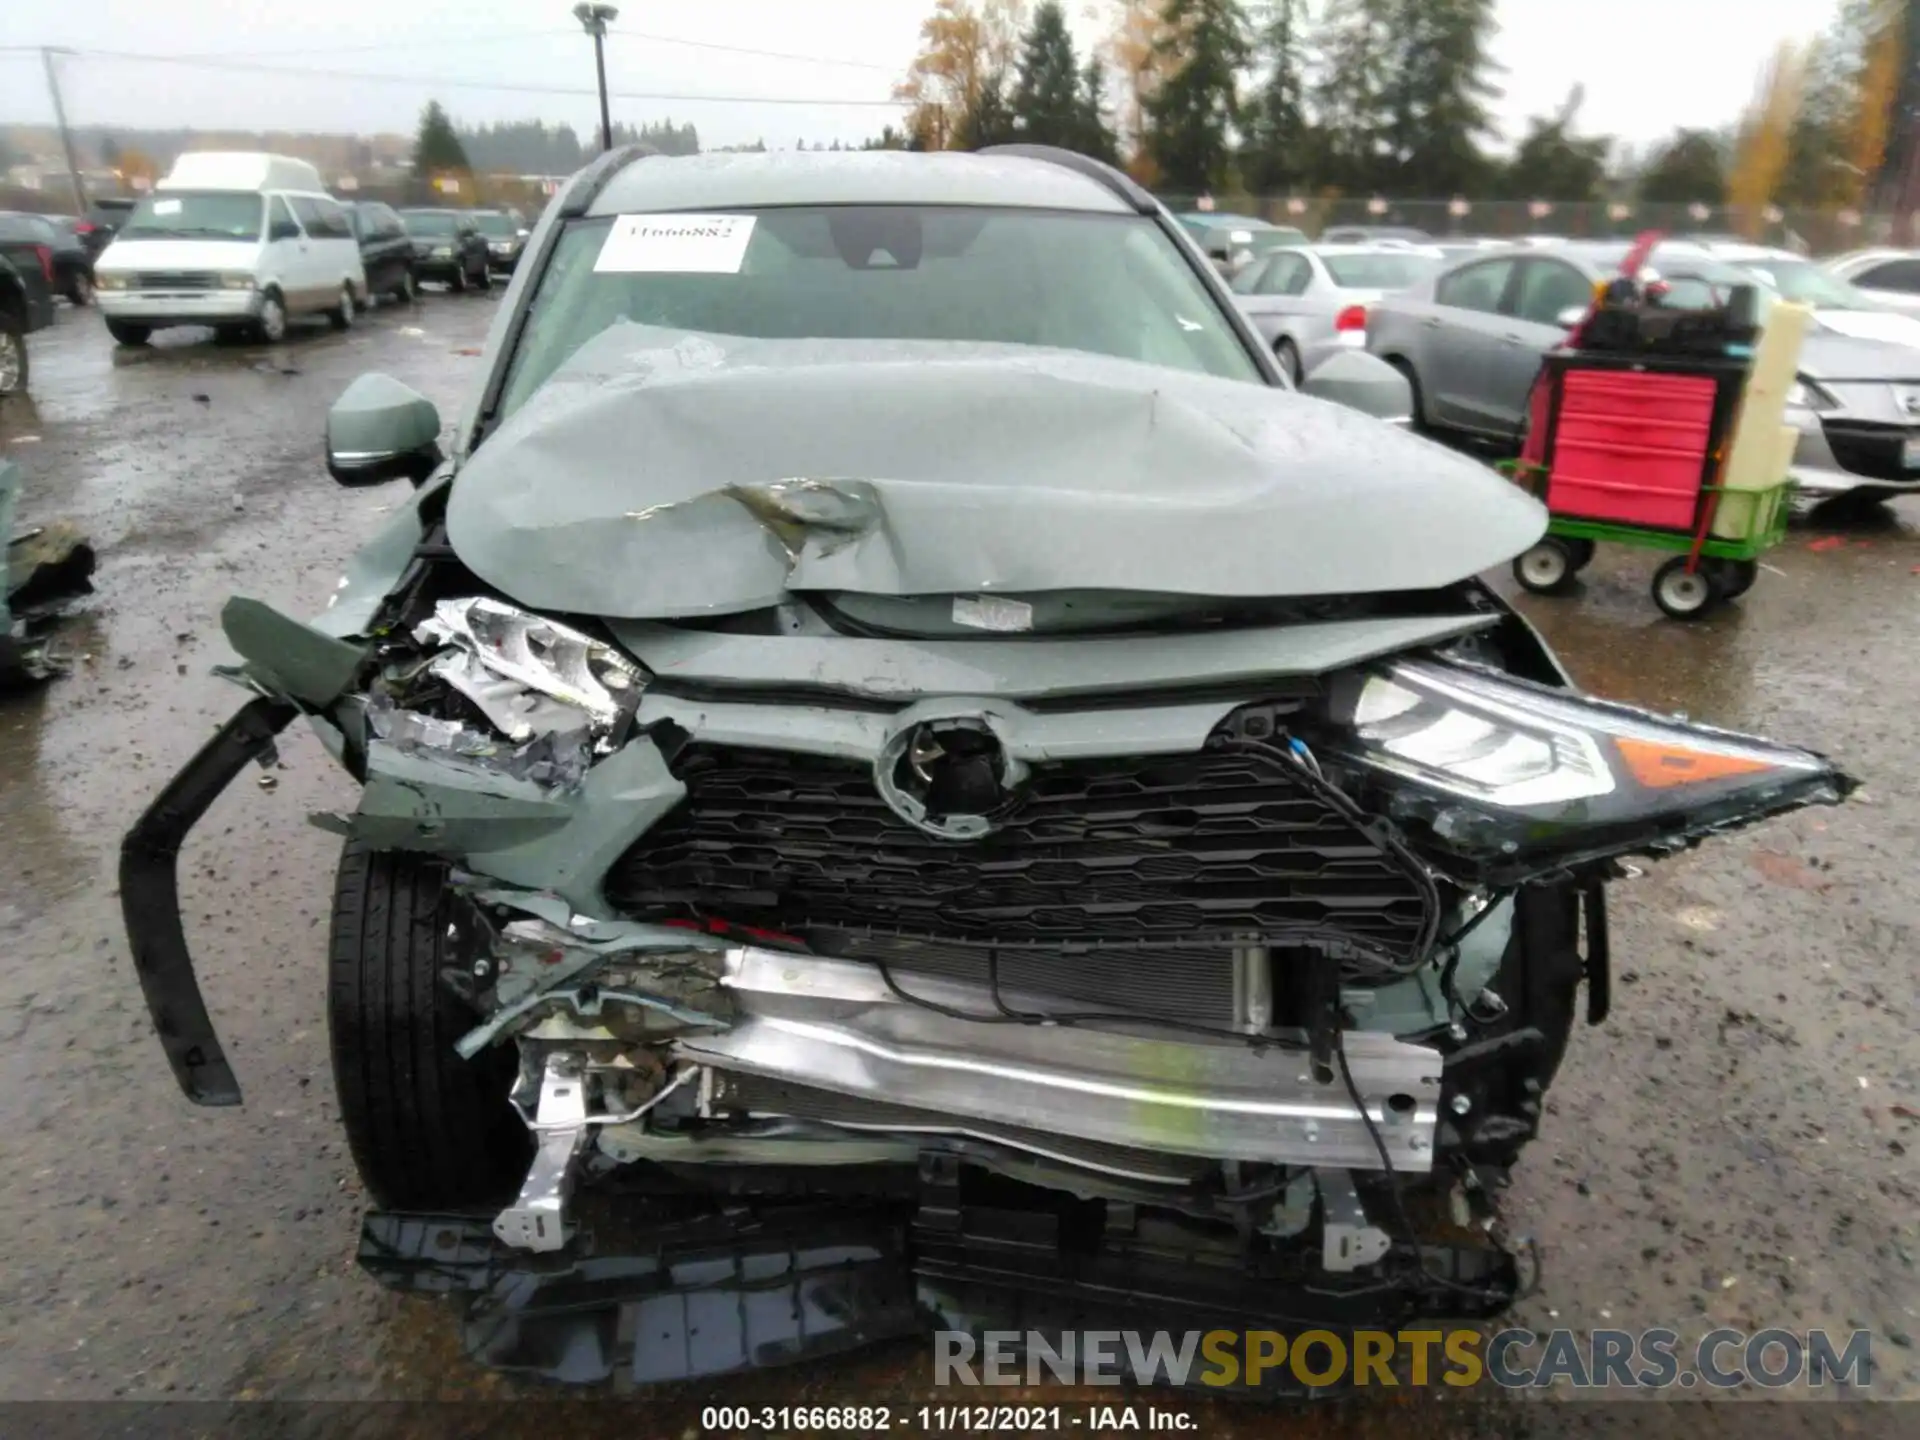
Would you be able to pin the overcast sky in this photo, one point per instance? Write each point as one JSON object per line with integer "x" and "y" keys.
{"x": 1648, "y": 65}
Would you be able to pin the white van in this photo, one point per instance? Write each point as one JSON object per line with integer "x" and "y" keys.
{"x": 235, "y": 240}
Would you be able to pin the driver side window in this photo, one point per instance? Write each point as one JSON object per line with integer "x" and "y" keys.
{"x": 280, "y": 221}
{"x": 1549, "y": 288}
{"x": 1477, "y": 287}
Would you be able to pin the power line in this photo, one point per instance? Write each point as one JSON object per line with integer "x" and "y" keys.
{"x": 438, "y": 42}
{"x": 497, "y": 37}
{"x": 436, "y": 82}
{"x": 748, "y": 50}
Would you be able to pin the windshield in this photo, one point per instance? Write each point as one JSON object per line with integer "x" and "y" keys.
{"x": 498, "y": 226}
{"x": 195, "y": 215}
{"x": 1378, "y": 272}
{"x": 1108, "y": 284}
{"x": 1807, "y": 283}
{"x": 429, "y": 222}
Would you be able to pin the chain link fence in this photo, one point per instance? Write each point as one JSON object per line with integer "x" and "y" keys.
{"x": 1816, "y": 232}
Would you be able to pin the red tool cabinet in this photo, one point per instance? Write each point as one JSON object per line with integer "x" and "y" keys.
{"x": 1634, "y": 446}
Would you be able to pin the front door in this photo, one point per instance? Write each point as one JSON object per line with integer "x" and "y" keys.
{"x": 1461, "y": 340}
{"x": 289, "y": 256}
{"x": 1548, "y": 291}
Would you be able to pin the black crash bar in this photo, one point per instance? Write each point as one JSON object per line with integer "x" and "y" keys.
{"x": 150, "y": 899}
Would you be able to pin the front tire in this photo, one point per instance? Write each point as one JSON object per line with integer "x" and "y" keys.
{"x": 270, "y": 325}
{"x": 1288, "y": 354}
{"x": 80, "y": 289}
{"x": 125, "y": 334}
{"x": 341, "y": 316}
{"x": 13, "y": 358}
{"x": 428, "y": 1130}
{"x": 407, "y": 291}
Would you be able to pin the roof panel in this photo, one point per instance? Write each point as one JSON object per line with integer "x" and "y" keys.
{"x": 720, "y": 182}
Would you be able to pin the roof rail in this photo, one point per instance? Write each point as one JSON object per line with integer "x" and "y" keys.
{"x": 1117, "y": 181}
{"x": 585, "y": 187}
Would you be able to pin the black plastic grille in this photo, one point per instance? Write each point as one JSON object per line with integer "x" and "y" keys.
{"x": 1874, "y": 451}
{"x": 1150, "y": 853}
{"x": 175, "y": 280}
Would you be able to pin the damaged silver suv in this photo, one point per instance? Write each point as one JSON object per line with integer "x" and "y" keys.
{"x": 899, "y": 757}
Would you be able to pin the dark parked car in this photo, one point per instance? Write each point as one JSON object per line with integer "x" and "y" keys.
{"x": 105, "y": 215}
{"x": 72, "y": 274}
{"x": 386, "y": 250}
{"x": 448, "y": 247}
{"x": 72, "y": 260}
{"x": 26, "y": 302}
{"x": 506, "y": 237}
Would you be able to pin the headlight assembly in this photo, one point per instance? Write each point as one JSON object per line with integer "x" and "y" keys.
{"x": 1517, "y": 778}
{"x": 1803, "y": 394}
{"x": 529, "y": 674}
{"x": 237, "y": 280}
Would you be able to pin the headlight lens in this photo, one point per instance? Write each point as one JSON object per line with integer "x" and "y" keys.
{"x": 237, "y": 280}
{"x": 109, "y": 282}
{"x": 1803, "y": 394}
{"x": 1518, "y": 777}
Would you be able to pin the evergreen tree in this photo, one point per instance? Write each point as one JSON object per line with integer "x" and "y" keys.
{"x": 437, "y": 147}
{"x": 1689, "y": 167}
{"x": 991, "y": 121}
{"x": 1191, "y": 118}
{"x": 1046, "y": 100}
{"x": 1351, "y": 100}
{"x": 1438, "y": 97}
{"x": 1092, "y": 135}
{"x": 1279, "y": 149}
{"x": 1551, "y": 163}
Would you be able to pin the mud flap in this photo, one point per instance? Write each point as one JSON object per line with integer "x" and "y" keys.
{"x": 150, "y": 899}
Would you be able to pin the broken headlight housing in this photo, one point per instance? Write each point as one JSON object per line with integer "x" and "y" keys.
{"x": 527, "y": 674}
{"x": 1518, "y": 779}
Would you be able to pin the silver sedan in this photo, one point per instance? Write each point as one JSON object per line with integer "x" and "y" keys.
{"x": 1310, "y": 299}
{"x": 1886, "y": 277}
{"x": 1470, "y": 340}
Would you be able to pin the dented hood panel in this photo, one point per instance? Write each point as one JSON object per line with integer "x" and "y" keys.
{"x": 660, "y": 474}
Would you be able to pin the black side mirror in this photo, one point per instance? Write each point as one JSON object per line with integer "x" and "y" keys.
{"x": 380, "y": 430}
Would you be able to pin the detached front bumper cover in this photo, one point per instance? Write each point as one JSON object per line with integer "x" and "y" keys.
{"x": 150, "y": 898}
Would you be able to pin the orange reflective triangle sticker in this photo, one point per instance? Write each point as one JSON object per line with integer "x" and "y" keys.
{"x": 1660, "y": 766}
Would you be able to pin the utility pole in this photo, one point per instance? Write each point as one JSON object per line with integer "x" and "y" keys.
{"x": 595, "y": 18}
{"x": 47, "y": 52}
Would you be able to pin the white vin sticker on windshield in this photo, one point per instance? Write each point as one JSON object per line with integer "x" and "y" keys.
{"x": 676, "y": 244}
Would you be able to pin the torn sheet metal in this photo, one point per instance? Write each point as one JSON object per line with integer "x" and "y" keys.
{"x": 662, "y": 474}
{"x": 555, "y": 759}
{"x": 43, "y": 572}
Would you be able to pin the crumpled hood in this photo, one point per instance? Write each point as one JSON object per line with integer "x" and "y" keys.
{"x": 660, "y": 474}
